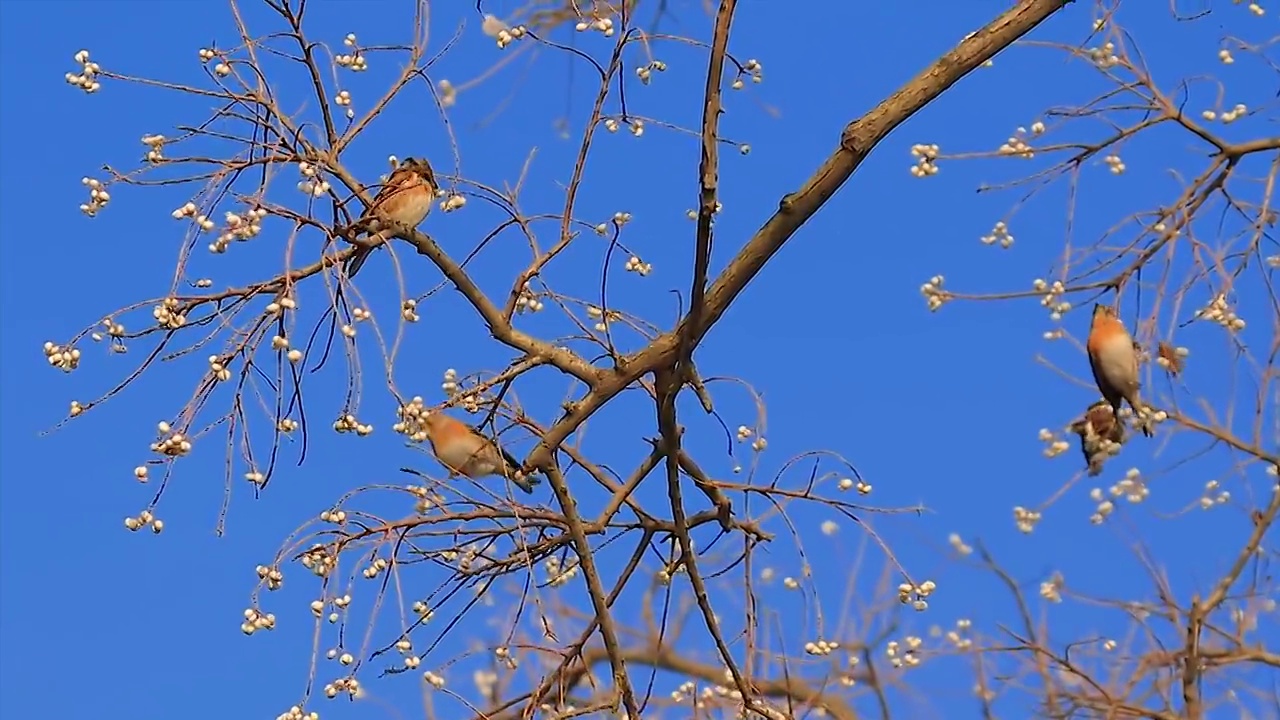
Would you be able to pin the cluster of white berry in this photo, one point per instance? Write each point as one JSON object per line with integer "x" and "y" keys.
{"x": 638, "y": 266}
{"x": 337, "y": 516}
{"x": 317, "y": 608}
{"x": 503, "y": 655}
{"x": 271, "y": 576}
{"x": 256, "y": 477}
{"x": 374, "y": 569}
{"x": 452, "y": 202}
{"x": 409, "y": 311}
{"x": 754, "y": 69}
{"x": 1017, "y": 146}
{"x": 222, "y": 69}
{"x": 821, "y": 647}
{"x": 155, "y": 147}
{"x": 917, "y": 595}
{"x": 341, "y": 603}
{"x": 425, "y": 498}
{"x": 280, "y": 343}
{"x": 1131, "y": 486}
{"x": 86, "y": 79}
{"x": 413, "y": 417}
{"x": 1054, "y": 446}
{"x": 172, "y": 444}
{"x": 1104, "y": 508}
{"x": 959, "y": 545}
{"x": 144, "y": 519}
{"x": 343, "y": 99}
{"x": 863, "y": 487}
{"x": 926, "y": 160}
{"x": 355, "y": 61}
{"x": 167, "y": 315}
{"x": 527, "y": 300}
{"x": 358, "y": 314}
{"x": 634, "y": 124}
{"x": 255, "y": 621}
{"x": 601, "y": 24}
{"x": 1256, "y": 9}
{"x": 191, "y": 211}
{"x": 311, "y": 184}
{"x": 934, "y": 295}
{"x": 112, "y": 328}
{"x": 1051, "y": 589}
{"x": 1230, "y": 116}
{"x": 347, "y": 423}
{"x": 422, "y": 610}
{"x": 559, "y": 575}
{"x": 411, "y": 661}
{"x": 1210, "y": 499}
{"x": 318, "y": 561}
{"x": 98, "y": 196}
{"x": 283, "y": 303}
{"x": 904, "y": 657}
{"x": 1025, "y": 519}
{"x": 1220, "y": 311}
{"x": 297, "y": 713}
{"x": 65, "y": 358}
{"x": 1104, "y": 57}
{"x": 434, "y": 680}
{"x": 238, "y": 228}
{"x": 693, "y": 214}
{"x": 348, "y": 685}
{"x": 506, "y": 36}
{"x": 1115, "y": 164}
{"x": 218, "y": 368}
{"x": 999, "y": 234}
{"x": 485, "y": 681}
{"x": 957, "y": 636}
{"x": 1224, "y": 55}
{"x": 602, "y": 317}
{"x": 1050, "y": 298}
{"x": 448, "y": 93}
{"x": 645, "y": 72}
{"x": 686, "y": 689}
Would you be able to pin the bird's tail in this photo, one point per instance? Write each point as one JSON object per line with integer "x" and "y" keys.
{"x": 356, "y": 260}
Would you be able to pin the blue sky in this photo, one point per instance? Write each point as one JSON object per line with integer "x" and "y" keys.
{"x": 939, "y": 410}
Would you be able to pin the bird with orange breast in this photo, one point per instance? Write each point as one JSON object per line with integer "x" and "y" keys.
{"x": 465, "y": 451}
{"x": 404, "y": 198}
{"x": 1113, "y": 357}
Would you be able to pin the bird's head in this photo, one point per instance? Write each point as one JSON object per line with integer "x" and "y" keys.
{"x": 423, "y": 168}
{"x": 1101, "y": 311}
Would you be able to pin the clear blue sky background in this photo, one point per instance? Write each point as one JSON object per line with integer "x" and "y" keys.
{"x": 940, "y": 410}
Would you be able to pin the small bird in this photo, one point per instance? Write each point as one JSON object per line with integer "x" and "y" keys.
{"x": 465, "y": 451}
{"x": 405, "y": 198}
{"x": 1113, "y": 357}
{"x": 1100, "y": 435}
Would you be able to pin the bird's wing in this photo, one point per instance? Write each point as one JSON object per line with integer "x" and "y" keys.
{"x": 400, "y": 179}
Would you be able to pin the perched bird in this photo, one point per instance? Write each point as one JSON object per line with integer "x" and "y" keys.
{"x": 1101, "y": 435}
{"x": 465, "y": 451}
{"x": 1113, "y": 357}
{"x": 405, "y": 198}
